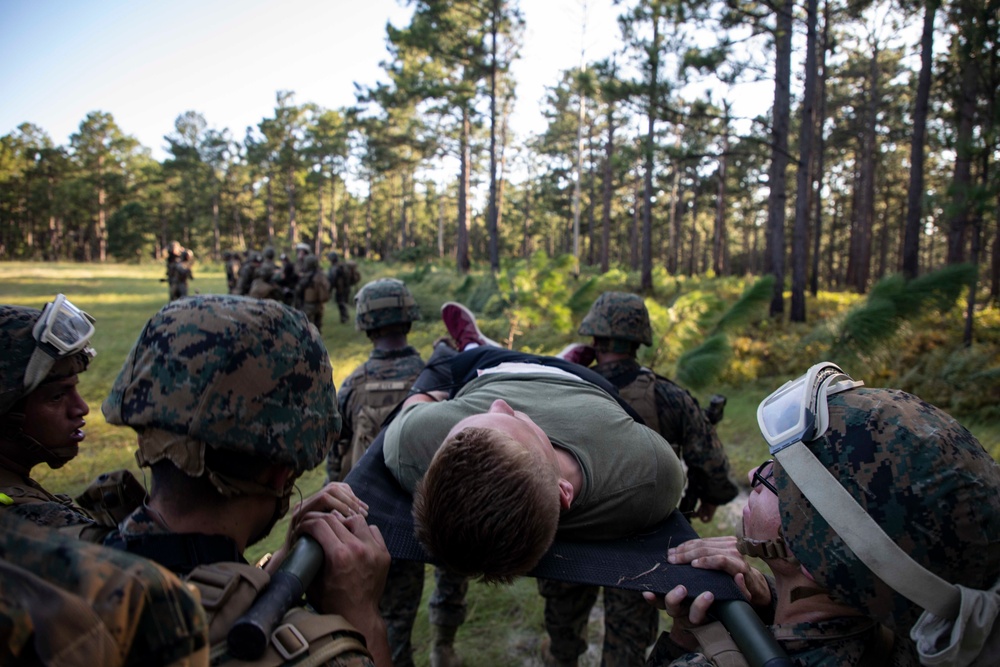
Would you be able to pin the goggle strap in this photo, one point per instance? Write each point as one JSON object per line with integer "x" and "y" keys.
{"x": 865, "y": 537}
{"x": 38, "y": 368}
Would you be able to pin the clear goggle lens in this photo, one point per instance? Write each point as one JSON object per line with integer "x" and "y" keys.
{"x": 64, "y": 326}
{"x": 798, "y": 409}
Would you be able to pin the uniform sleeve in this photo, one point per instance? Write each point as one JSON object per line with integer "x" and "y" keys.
{"x": 683, "y": 422}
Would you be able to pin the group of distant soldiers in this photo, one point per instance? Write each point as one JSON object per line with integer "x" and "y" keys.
{"x": 301, "y": 284}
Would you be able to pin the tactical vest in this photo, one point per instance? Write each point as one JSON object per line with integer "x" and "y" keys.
{"x": 318, "y": 290}
{"x": 377, "y": 398}
{"x": 229, "y": 589}
{"x": 641, "y": 395}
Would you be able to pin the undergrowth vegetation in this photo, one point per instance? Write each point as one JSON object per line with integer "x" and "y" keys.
{"x": 712, "y": 333}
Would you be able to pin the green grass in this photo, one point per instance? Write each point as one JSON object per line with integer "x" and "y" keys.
{"x": 504, "y": 625}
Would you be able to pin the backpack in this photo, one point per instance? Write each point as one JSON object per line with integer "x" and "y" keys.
{"x": 353, "y": 274}
{"x": 641, "y": 395}
{"x": 229, "y": 589}
{"x": 322, "y": 287}
{"x": 377, "y": 398}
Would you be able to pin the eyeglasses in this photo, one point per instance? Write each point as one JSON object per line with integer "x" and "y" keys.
{"x": 798, "y": 409}
{"x": 61, "y": 331}
{"x": 760, "y": 476}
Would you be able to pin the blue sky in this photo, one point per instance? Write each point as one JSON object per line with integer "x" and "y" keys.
{"x": 146, "y": 62}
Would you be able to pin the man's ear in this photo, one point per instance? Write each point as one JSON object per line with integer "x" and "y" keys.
{"x": 566, "y": 493}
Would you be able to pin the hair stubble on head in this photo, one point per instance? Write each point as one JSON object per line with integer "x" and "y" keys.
{"x": 487, "y": 507}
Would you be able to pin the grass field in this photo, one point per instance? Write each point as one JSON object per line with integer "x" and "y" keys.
{"x": 504, "y": 625}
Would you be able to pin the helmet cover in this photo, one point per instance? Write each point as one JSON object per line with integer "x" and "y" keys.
{"x": 234, "y": 373}
{"x": 618, "y": 315}
{"x": 383, "y": 302}
{"x": 923, "y": 478}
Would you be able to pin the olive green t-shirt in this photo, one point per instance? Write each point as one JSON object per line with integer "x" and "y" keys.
{"x": 631, "y": 477}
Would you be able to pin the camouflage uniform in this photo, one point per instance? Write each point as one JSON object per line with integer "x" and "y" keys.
{"x": 21, "y": 495}
{"x": 247, "y": 273}
{"x": 926, "y": 482}
{"x": 630, "y": 624}
{"x": 837, "y": 642}
{"x": 179, "y": 274}
{"x": 67, "y": 602}
{"x": 232, "y": 264}
{"x": 312, "y": 291}
{"x": 340, "y": 284}
{"x": 249, "y": 378}
{"x": 372, "y": 388}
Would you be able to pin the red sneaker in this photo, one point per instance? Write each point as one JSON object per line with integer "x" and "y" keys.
{"x": 461, "y": 325}
{"x": 578, "y": 353}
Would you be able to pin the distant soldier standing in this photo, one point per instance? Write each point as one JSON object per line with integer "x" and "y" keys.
{"x": 247, "y": 273}
{"x": 180, "y": 274}
{"x": 342, "y": 277}
{"x": 619, "y": 324}
{"x": 232, "y": 264}
{"x": 312, "y": 291}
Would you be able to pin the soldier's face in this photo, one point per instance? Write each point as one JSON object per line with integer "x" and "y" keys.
{"x": 53, "y": 415}
{"x": 761, "y": 515}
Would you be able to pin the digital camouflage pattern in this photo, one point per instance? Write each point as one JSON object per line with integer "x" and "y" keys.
{"x": 229, "y": 586}
{"x": 921, "y": 476}
{"x": 367, "y": 397}
{"x": 618, "y": 315}
{"x": 244, "y": 280}
{"x": 401, "y": 602}
{"x": 67, "y": 602}
{"x": 831, "y": 643}
{"x": 25, "y": 498}
{"x": 16, "y": 345}
{"x": 233, "y": 373}
{"x": 384, "y": 302}
{"x": 630, "y": 623}
{"x": 682, "y": 423}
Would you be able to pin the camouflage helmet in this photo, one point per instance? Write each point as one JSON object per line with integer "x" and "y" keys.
{"x": 17, "y": 344}
{"x": 383, "y": 302}
{"x": 332, "y": 256}
{"x": 618, "y": 315}
{"x": 231, "y": 373}
{"x": 304, "y": 247}
{"x": 310, "y": 263}
{"x": 268, "y": 252}
{"x": 923, "y": 478}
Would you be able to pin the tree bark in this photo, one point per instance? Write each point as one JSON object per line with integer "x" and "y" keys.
{"x": 915, "y": 194}
{"x": 462, "y": 245}
{"x": 775, "y": 253}
{"x": 800, "y": 233}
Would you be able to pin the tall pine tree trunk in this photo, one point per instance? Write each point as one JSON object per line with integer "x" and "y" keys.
{"x": 800, "y": 233}
{"x": 915, "y": 194}
{"x": 775, "y": 252}
{"x": 462, "y": 245}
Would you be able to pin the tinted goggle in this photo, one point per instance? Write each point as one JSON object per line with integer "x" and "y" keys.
{"x": 61, "y": 331}
{"x": 798, "y": 409}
